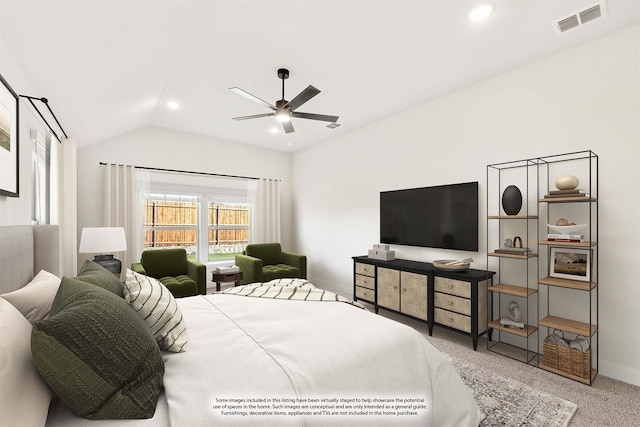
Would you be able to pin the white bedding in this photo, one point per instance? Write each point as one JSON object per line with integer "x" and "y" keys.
{"x": 243, "y": 348}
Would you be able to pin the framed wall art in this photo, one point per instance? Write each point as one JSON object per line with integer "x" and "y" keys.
{"x": 9, "y": 144}
{"x": 571, "y": 263}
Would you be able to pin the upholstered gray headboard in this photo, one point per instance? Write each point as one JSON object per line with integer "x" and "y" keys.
{"x": 24, "y": 251}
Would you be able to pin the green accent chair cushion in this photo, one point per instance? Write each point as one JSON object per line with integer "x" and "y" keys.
{"x": 97, "y": 354}
{"x": 279, "y": 271}
{"x": 180, "y": 286}
{"x": 94, "y": 273}
{"x": 179, "y": 274}
{"x": 262, "y": 262}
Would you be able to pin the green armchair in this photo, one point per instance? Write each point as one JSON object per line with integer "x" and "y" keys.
{"x": 262, "y": 262}
{"x": 171, "y": 267}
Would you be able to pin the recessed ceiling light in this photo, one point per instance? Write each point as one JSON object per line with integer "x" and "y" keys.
{"x": 173, "y": 105}
{"x": 480, "y": 13}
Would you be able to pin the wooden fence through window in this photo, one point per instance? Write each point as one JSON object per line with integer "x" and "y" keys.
{"x": 174, "y": 224}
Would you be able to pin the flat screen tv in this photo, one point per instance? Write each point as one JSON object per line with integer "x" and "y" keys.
{"x": 444, "y": 216}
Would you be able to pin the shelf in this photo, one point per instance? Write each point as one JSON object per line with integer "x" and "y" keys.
{"x": 569, "y": 244}
{"x": 512, "y": 255}
{"x": 572, "y": 326}
{"x": 568, "y": 283}
{"x": 568, "y": 199}
{"x": 587, "y": 381}
{"x": 512, "y": 216}
{"x": 518, "y": 291}
{"x": 528, "y": 329}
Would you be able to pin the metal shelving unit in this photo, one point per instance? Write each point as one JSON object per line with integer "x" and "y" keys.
{"x": 561, "y": 294}
{"x": 574, "y": 320}
{"x": 516, "y": 274}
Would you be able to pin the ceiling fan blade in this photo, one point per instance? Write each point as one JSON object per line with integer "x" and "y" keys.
{"x": 288, "y": 127}
{"x": 312, "y": 116}
{"x": 303, "y": 97}
{"x": 251, "y": 97}
{"x": 255, "y": 116}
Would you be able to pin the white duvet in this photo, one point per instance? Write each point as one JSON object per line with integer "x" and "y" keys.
{"x": 272, "y": 362}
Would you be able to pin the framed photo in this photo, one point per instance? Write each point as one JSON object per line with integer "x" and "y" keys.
{"x": 570, "y": 263}
{"x": 9, "y": 145}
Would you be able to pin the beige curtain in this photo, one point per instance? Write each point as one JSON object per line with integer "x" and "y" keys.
{"x": 125, "y": 189}
{"x": 264, "y": 194}
{"x": 67, "y": 209}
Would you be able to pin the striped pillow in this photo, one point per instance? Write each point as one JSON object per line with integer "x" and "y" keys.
{"x": 153, "y": 301}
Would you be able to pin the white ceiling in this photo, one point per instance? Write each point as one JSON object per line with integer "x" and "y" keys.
{"x": 109, "y": 67}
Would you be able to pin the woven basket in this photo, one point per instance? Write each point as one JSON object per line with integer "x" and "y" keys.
{"x": 573, "y": 361}
{"x": 441, "y": 264}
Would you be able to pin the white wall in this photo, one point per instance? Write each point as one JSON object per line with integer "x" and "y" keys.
{"x": 17, "y": 210}
{"x": 162, "y": 148}
{"x": 583, "y": 98}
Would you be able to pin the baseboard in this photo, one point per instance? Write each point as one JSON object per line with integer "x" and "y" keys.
{"x": 619, "y": 372}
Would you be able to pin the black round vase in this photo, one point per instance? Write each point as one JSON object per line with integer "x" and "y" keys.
{"x": 511, "y": 200}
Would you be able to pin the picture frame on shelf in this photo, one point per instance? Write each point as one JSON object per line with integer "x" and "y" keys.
{"x": 9, "y": 141}
{"x": 570, "y": 263}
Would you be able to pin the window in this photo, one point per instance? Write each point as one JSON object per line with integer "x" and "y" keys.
{"x": 171, "y": 221}
{"x": 41, "y": 177}
{"x": 205, "y": 225}
{"x": 228, "y": 229}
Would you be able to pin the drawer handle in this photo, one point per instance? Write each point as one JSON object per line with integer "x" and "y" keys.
{"x": 450, "y": 302}
{"x": 451, "y": 319}
{"x": 395, "y": 287}
{"x": 450, "y": 286}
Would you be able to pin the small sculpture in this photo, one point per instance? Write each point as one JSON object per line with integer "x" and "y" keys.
{"x": 514, "y": 312}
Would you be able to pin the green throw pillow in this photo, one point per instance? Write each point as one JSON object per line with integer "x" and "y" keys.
{"x": 97, "y": 354}
{"x": 96, "y": 274}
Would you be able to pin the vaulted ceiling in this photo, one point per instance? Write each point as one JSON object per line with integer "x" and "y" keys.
{"x": 110, "y": 67}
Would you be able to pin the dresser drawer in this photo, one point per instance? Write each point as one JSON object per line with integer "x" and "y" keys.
{"x": 449, "y": 302}
{"x": 365, "y": 269}
{"x": 365, "y": 294}
{"x": 365, "y": 281}
{"x": 451, "y": 319}
{"x": 452, "y": 286}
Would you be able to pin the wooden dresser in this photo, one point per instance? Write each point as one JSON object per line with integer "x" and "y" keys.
{"x": 455, "y": 300}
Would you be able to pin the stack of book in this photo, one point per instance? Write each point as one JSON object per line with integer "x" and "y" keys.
{"x": 573, "y": 238}
{"x": 565, "y": 193}
{"x": 513, "y": 251}
{"x": 508, "y": 323}
{"x": 227, "y": 270}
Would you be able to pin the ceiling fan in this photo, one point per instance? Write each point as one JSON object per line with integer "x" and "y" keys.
{"x": 284, "y": 110}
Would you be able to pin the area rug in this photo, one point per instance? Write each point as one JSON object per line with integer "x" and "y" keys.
{"x": 510, "y": 403}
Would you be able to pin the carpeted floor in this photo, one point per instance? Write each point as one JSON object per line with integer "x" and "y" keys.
{"x": 607, "y": 402}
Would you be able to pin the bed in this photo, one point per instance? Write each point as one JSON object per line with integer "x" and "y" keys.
{"x": 303, "y": 357}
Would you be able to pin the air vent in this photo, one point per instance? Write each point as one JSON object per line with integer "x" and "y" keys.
{"x": 579, "y": 18}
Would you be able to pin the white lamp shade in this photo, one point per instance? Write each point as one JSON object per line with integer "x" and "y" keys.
{"x": 102, "y": 240}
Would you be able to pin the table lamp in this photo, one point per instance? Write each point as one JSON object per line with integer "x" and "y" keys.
{"x": 102, "y": 241}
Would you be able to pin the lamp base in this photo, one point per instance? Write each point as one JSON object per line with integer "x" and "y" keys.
{"x": 110, "y": 263}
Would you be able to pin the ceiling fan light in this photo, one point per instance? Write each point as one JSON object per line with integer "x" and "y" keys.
{"x": 283, "y": 116}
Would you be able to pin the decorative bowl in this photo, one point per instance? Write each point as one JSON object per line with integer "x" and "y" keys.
{"x": 442, "y": 265}
{"x": 566, "y": 229}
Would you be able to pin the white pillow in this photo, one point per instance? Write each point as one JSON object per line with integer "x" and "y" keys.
{"x": 159, "y": 309}
{"x": 24, "y": 396}
{"x": 35, "y": 299}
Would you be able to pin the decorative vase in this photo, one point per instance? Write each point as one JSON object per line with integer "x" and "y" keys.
{"x": 567, "y": 182}
{"x": 511, "y": 200}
